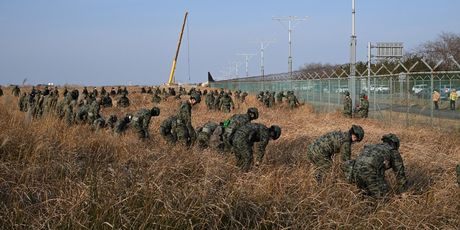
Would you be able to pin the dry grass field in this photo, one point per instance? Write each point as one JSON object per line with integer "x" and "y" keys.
{"x": 55, "y": 176}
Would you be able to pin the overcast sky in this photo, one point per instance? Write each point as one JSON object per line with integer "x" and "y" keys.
{"x": 112, "y": 42}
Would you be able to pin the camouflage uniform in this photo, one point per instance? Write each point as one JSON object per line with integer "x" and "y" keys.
{"x": 369, "y": 169}
{"x": 209, "y": 100}
{"x": 16, "y": 91}
{"x": 279, "y": 97}
{"x": 226, "y": 103}
{"x": 231, "y": 125}
{"x": 347, "y": 106}
{"x": 141, "y": 121}
{"x": 103, "y": 91}
{"x": 122, "y": 124}
{"x": 217, "y": 99}
{"x": 93, "y": 111}
{"x": 183, "y": 128}
{"x": 321, "y": 151}
{"x": 166, "y": 129}
{"x": 22, "y": 103}
{"x": 82, "y": 114}
{"x": 204, "y": 133}
{"x": 363, "y": 109}
{"x": 106, "y": 101}
{"x": 123, "y": 101}
{"x": 99, "y": 123}
{"x": 243, "y": 96}
{"x": 1, "y": 92}
{"x": 112, "y": 121}
{"x": 243, "y": 142}
{"x": 156, "y": 98}
{"x": 292, "y": 99}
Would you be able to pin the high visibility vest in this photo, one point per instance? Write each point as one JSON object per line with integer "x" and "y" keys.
{"x": 453, "y": 96}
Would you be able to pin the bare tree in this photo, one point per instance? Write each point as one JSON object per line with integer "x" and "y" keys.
{"x": 447, "y": 45}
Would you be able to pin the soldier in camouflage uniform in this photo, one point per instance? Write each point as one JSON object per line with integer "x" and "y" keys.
{"x": 209, "y": 100}
{"x": 81, "y": 116}
{"x": 141, "y": 121}
{"x": 368, "y": 170}
{"x": 99, "y": 124}
{"x": 347, "y": 105}
{"x": 279, "y": 97}
{"x": 243, "y": 97}
{"x": 226, "y": 103}
{"x": 112, "y": 121}
{"x": 16, "y": 91}
{"x": 363, "y": 109}
{"x": 244, "y": 139}
{"x": 182, "y": 129}
{"x": 217, "y": 98}
{"x": 166, "y": 129}
{"x": 260, "y": 96}
{"x": 156, "y": 98}
{"x": 1, "y": 91}
{"x": 236, "y": 121}
{"x": 122, "y": 124}
{"x": 292, "y": 100}
{"x": 203, "y": 134}
{"x": 123, "y": 101}
{"x": 103, "y": 91}
{"x": 94, "y": 110}
{"x": 106, "y": 101}
{"x": 321, "y": 151}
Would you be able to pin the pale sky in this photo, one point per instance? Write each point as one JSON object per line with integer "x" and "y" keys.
{"x": 114, "y": 42}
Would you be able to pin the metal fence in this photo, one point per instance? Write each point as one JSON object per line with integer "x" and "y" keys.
{"x": 404, "y": 98}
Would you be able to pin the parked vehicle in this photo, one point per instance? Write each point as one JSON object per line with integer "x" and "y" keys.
{"x": 417, "y": 88}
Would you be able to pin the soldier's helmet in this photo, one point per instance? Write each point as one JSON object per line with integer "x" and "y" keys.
{"x": 253, "y": 113}
{"x": 362, "y": 95}
{"x": 347, "y": 93}
{"x": 391, "y": 139}
{"x": 275, "y": 132}
{"x": 358, "y": 131}
{"x": 197, "y": 97}
{"x": 155, "y": 111}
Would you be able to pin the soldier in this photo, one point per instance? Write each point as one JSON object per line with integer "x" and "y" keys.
{"x": 82, "y": 114}
{"x": 112, "y": 121}
{"x": 143, "y": 90}
{"x": 113, "y": 92}
{"x": 243, "y": 97}
{"x": 269, "y": 99}
{"x": 149, "y": 90}
{"x": 363, "y": 110}
{"x": 95, "y": 92}
{"x": 347, "y": 105}
{"x": 453, "y": 98}
{"x": 1, "y": 91}
{"x": 65, "y": 91}
{"x": 46, "y": 91}
{"x": 166, "y": 129}
{"x": 125, "y": 91}
{"x": 94, "y": 110}
{"x": 244, "y": 139}
{"x": 98, "y": 124}
{"x": 156, "y": 98}
{"x": 236, "y": 121}
{"x": 292, "y": 99}
{"x": 106, "y": 101}
{"x": 122, "y": 124}
{"x": 119, "y": 90}
{"x": 182, "y": 128}
{"x": 22, "y": 103}
{"x": 103, "y": 91}
{"x": 85, "y": 91}
{"x": 279, "y": 97}
{"x": 210, "y": 100}
{"x": 217, "y": 98}
{"x": 260, "y": 96}
{"x": 141, "y": 121}
{"x": 123, "y": 101}
{"x": 16, "y": 91}
{"x": 204, "y": 134}
{"x": 321, "y": 151}
{"x": 368, "y": 170}
{"x": 226, "y": 103}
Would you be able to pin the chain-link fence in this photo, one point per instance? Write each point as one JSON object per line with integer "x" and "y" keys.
{"x": 404, "y": 98}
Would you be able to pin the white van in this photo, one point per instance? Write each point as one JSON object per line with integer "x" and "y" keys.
{"x": 418, "y": 88}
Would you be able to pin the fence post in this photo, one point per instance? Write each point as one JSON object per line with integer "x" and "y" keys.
{"x": 431, "y": 107}
{"x": 391, "y": 98}
{"x": 407, "y": 99}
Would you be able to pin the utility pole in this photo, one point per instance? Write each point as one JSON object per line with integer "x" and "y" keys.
{"x": 263, "y": 46}
{"x": 292, "y": 22}
{"x": 247, "y": 57}
{"x": 352, "y": 78}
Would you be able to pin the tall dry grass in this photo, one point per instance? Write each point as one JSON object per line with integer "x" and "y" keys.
{"x": 54, "y": 176}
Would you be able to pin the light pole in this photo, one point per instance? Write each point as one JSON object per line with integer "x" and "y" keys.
{"x": 352, "y": 77}
{"x": 291, "y": 24}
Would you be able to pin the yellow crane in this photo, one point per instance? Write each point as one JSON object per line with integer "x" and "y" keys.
{"x": 173, "y": 67}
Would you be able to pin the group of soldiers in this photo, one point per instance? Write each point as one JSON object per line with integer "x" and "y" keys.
{"x": 361, "y": 111}
{"x": 267, "y": 98}
{"x": 223, "y": 101}
{"x": 237, "y": 135}
{"x": 367, "y": 171}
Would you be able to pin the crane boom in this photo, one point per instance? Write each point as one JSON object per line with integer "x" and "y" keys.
{"x": 173, "y": 67}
